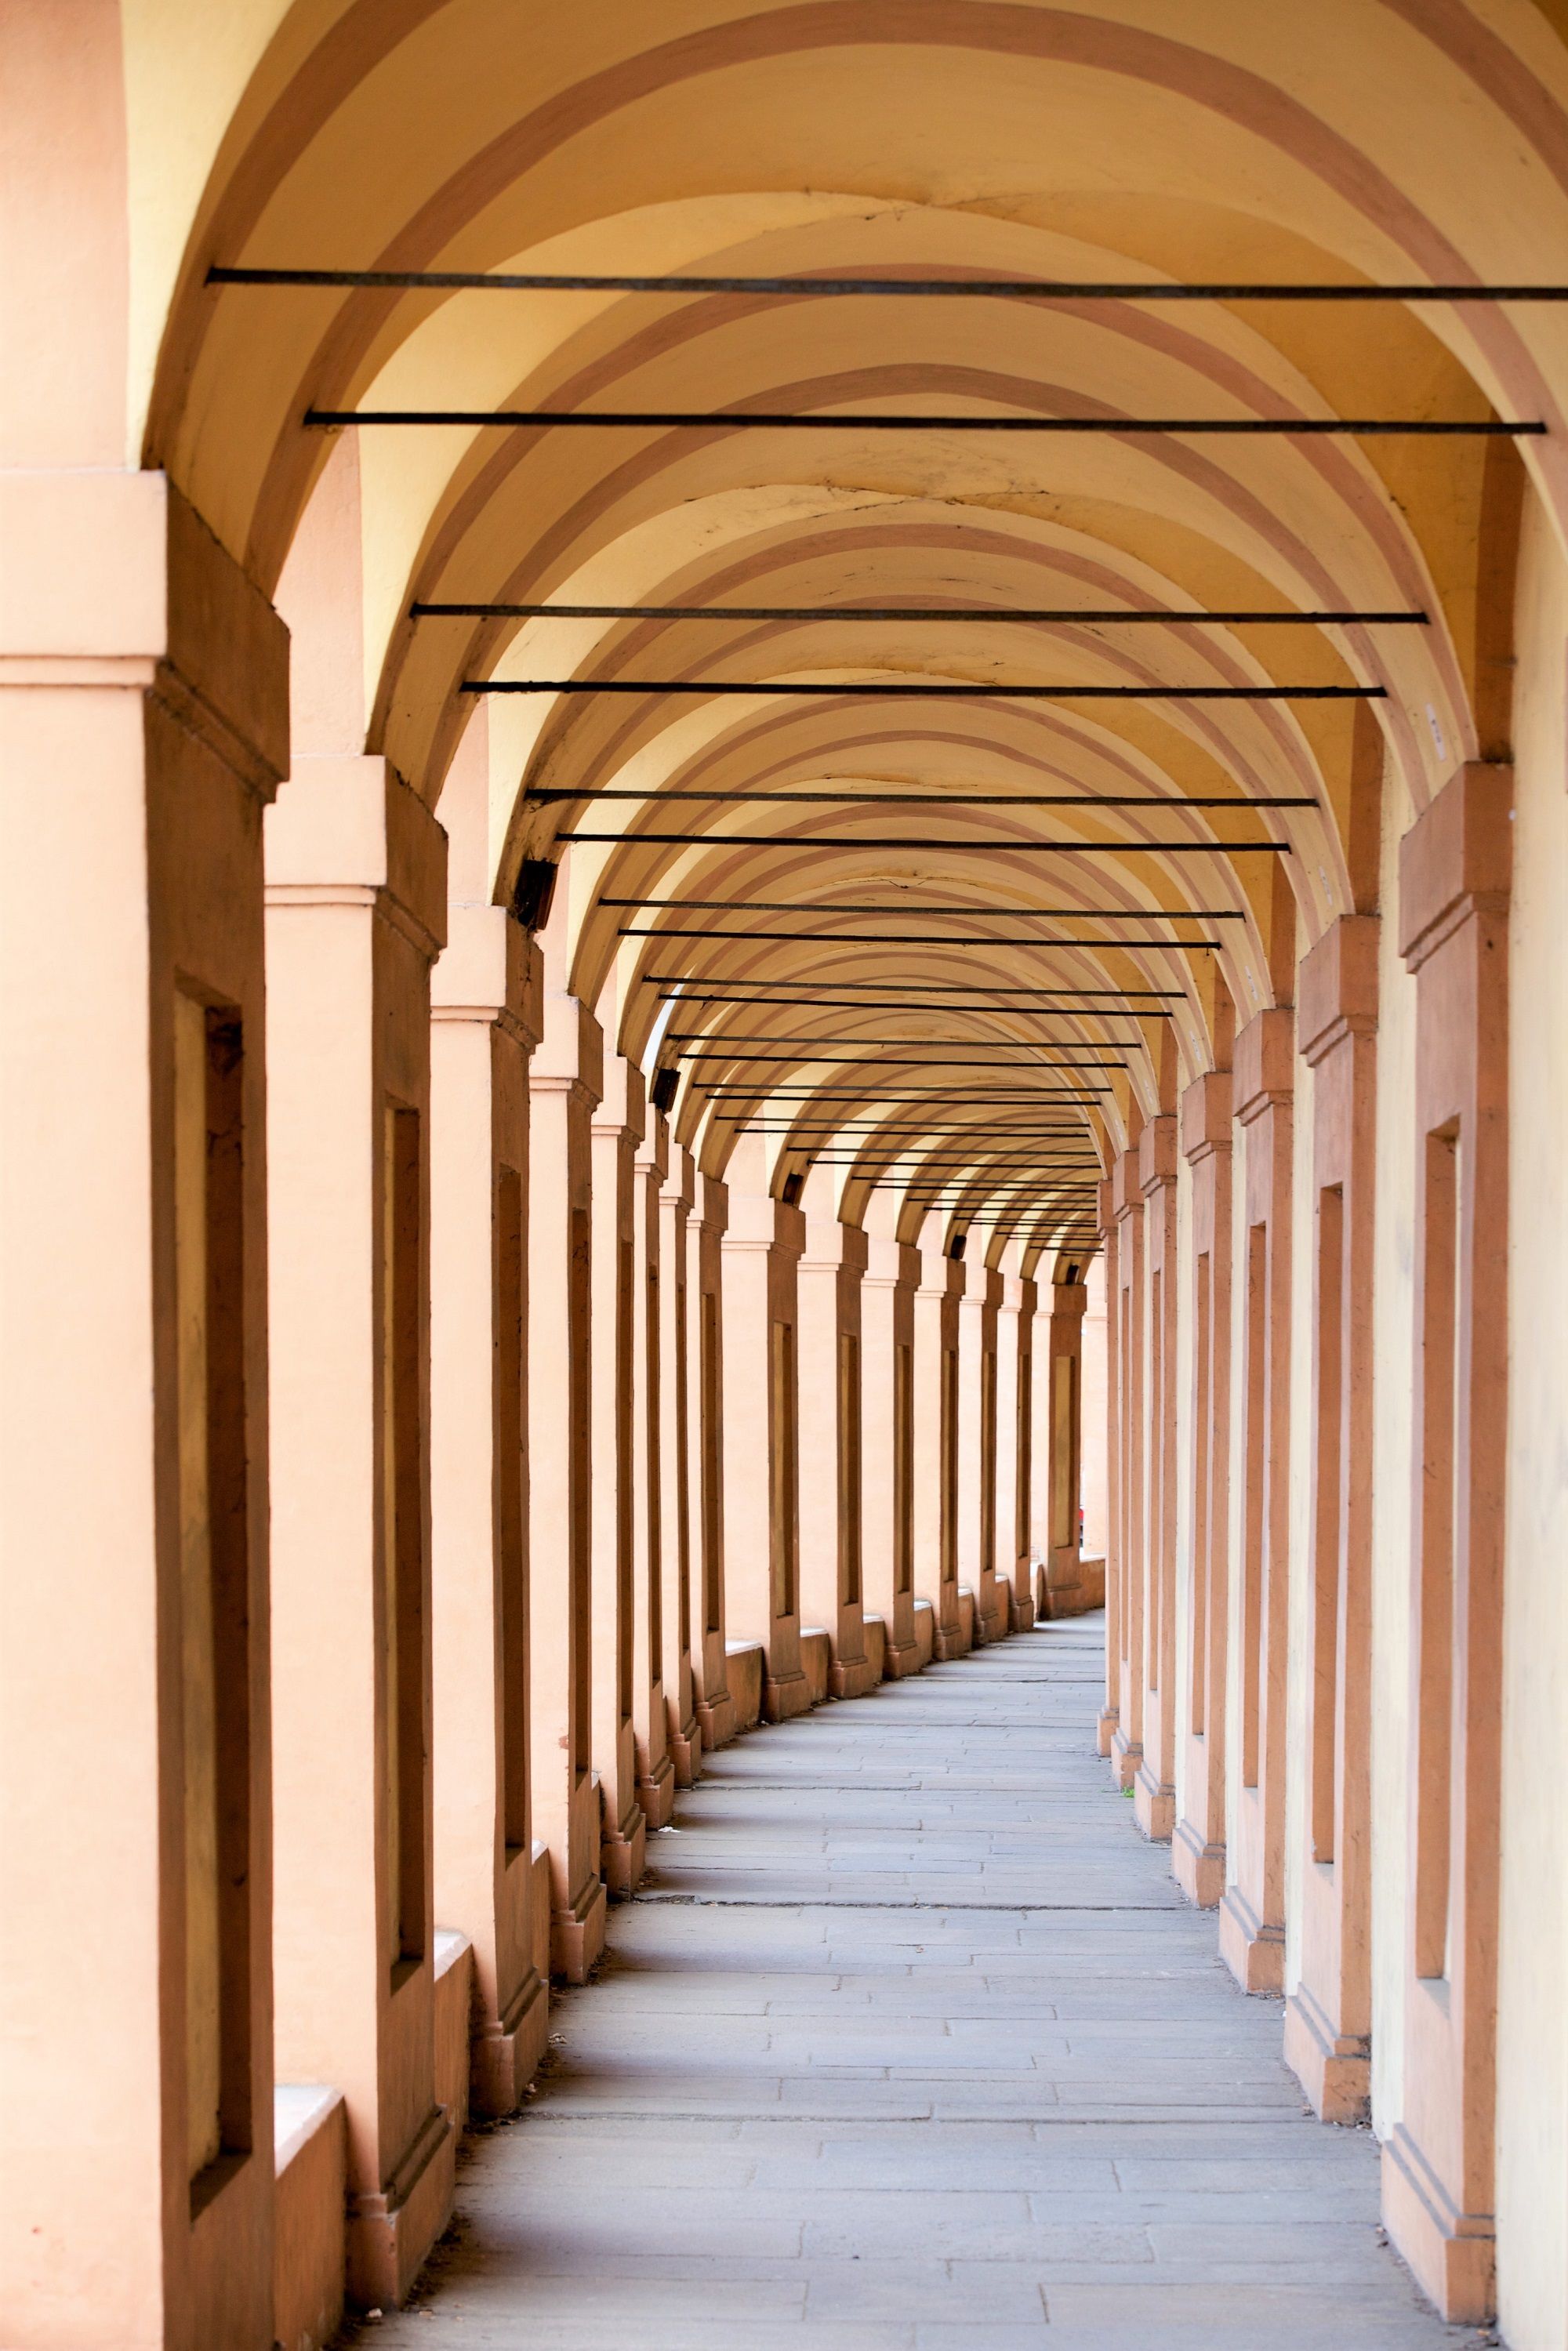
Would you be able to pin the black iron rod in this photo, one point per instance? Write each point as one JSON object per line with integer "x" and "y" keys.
{"x": 1057, "y": 289}
{"x": 1053, "y": 614}
{"x": 694, "y": 993}
{"x": 929, "y": 987}
{"x": 893, "y": 938}
{"x": 943, "y": 1097}
{"x": 989, "y": 848}
{"x": 718, "y": 1041}
{"x": 729, "y": 1056}
{"x": 1151, "y": 802}
{"x": 985, "y": 914}
{"x": 837, "y": 690}
{"x": 755, "y": 420}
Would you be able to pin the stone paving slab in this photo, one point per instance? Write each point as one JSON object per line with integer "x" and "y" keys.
{"x": 910, "y": 2044}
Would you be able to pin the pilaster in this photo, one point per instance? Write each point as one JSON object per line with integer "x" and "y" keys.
{"x": 1198, "y": 1855}
{"x": 356, "y": 912}
{"x": 1252, "y": 1912}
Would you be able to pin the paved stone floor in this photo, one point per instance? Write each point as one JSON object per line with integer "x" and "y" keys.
{"x": 911, "y": 2044}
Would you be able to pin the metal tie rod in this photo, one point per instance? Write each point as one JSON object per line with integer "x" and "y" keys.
{"x": 1149, "y": 802}
{"x": 1052, "y": 614}
{"x": 987, "y": 847}
{"x": 755, "y": 420}
{"x": 1055, "y": 289}
{"x": 898, "y": 938}
{"x": 833, "y": 690}
{"x": 985, "y": 914}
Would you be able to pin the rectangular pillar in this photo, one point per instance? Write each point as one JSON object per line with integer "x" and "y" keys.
{"x": 565, "y": 1078}
{"x": 1252, "y": 1913}
{"x": 650, "y": 1715}
{"x": 356, "y": 910}
{"x": 485, "y": 1021}
{"x": 616, "y": 1128}
{"x": 1110, "y": 1237}
{"x": 936, "y": 1478}
{"x": 978, "y": 1299}
{"x": 682, "y": 1729}
{"x": 1328, "y": 2016}
{"x": 1154, "y": 1790}
{"x": 761, "y": 1441}
{"x": 831, "y": 1428}
{"x": 1070, "y": 1589}
{"x": 1198, "y": 1855}
{"x": 887, "y": 1446}
{"x": 143, "y": 726}
{"x": 1131, "y": 1563}
{"x": 706, "y": 1222}
{"x": 1015, "y": 1436}
{"x": 1455, "y": 880}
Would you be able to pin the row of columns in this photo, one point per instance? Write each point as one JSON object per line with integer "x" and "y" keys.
{"x": 448, "y": 1431}
{"x": 1214, "y": 1618}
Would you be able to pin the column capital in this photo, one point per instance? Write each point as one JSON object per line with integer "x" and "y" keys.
{"x": 1457, "y": 861}
{"x": 653, "y": 1151}
{"x": 1126, "y": 1191}
{"x": 623, "y": 1106}
{"x": 489, "y": 970}
{"x": 1206, "y": 1111}
{"x": 112, "y": 579}
{"x": 710, "y": 1203}
{"x": 1336, "y": 987}
{"x": 570, "y": 1056}
{"x": 1157, "y": 1153}
{"x": 832, "y": 1245}
{"x": 345, "y": 829}
{"x": 1263, "y": 1068}
{"x": 890, "y": 1262}
{"x": 679, "y": 1188}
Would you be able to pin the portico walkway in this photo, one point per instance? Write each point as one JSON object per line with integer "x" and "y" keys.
{"x": 912, "y": 2045}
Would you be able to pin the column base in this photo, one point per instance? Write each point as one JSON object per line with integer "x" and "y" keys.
{"x": 391, "y": 2234}
{"x": 1254, "y": 1953}
{"x": 1153, "y": 1806}
{"x": 852, "y": 1676}
{"x": 623, "y": 1853}
{"x": 1126, "y": 1755}
{"x": 1333, "y": 2068}
{"x": 686, "y": 1744}
{"x": 952, "y": 1641}
{"x": 716, "y": 1721}
{"x": 1198, "y": 1867}
{"x": 577, "y": 1933}
{"x": 1073, "y": 1585}
{"x": 505, "y": 2052}
{"x": 898, "y": 1661}
{"x": 785, "y": 1695}
{"x": 657, "y": 1794}
{"x": 1452, "y": 2253}
{"x": 1105, "y": 1730}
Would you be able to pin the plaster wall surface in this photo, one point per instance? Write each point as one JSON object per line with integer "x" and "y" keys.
{"x": 1392, "y": 1318}
{"x": 1185, "y": 1293}
{"x": 1532, "y": 2027}
{"x": 1096, "y": 1510}
{"x": 1303, "y": 1244}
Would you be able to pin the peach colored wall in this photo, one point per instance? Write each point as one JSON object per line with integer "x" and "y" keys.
{"x": 143, "y": 721}
{"x": 308, "y": 2246}
{"x": 1096, "y": 1509}
{"x": 1532, "y": 2029}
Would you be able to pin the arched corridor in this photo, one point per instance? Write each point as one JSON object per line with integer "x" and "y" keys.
{"x": 783, "y": 894}
{"x": 910, "y": 2040}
